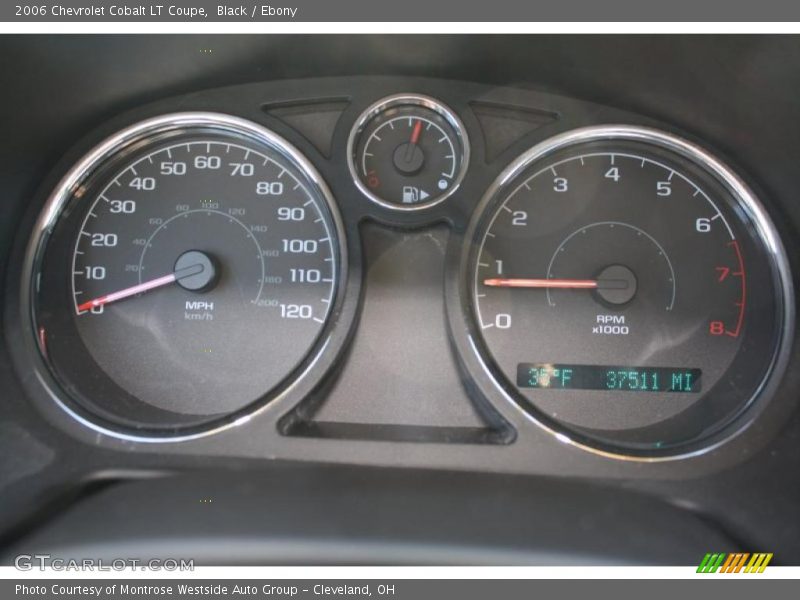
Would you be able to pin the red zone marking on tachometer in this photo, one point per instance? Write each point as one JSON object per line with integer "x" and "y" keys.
{"x": 743, "y": 298}
{"x": 43, "y": 341}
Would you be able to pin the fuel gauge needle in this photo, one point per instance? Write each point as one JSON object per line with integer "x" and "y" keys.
{"x": 411, "y": 147}
{"x": 142, "y": 287}
{"x": 415, "y": 133}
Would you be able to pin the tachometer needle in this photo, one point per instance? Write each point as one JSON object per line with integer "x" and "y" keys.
{"x": 568, "y": 284}
{"x": 141, "y": 287}
{"x": 604, "y": 283}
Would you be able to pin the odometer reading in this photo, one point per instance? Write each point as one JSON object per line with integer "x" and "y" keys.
{"x": 616, "y": 379}
{"x": 625, "y": 246}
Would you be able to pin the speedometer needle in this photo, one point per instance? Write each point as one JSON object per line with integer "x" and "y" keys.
{"x": 570, "y": 284}
{"x": 142, "y": 287}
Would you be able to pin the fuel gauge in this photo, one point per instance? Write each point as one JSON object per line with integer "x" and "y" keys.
{"x": 408, "y": 152}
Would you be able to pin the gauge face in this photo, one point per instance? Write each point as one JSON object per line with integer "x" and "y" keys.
{"x": 622, "y": 290}
{"x": 408, "y": 152}
{"x": 203, "y": 263}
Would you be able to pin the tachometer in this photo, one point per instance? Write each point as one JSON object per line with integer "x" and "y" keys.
{"x": 628, "y": 290}
{"x": 203, "y": 254}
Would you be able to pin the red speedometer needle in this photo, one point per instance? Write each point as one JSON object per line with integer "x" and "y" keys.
{"x": 415, "y": 133}
{"x": 567, "y": 284}
{"x": 128, "y": 292}
{"x": 142, "y": 287}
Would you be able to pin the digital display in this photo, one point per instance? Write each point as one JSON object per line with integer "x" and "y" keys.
{"x": 620, "y": 379}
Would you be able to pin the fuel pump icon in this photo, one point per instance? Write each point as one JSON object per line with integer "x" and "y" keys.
{"x": 412, "y": 195}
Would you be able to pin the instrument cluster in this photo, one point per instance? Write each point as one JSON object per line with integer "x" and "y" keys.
{"x": 211, "y": 268}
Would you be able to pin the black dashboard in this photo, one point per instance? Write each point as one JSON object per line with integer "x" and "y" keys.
{"x": 384, "y": 277}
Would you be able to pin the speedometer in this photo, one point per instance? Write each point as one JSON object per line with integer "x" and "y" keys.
{"x": 203, "y": 255}
{"x": 628, "y": 290}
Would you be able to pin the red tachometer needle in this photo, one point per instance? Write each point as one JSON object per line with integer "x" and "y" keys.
{"x": 568, "y": 284}
{"x": 141, "y": 287}
{"x": 416, "y": 132}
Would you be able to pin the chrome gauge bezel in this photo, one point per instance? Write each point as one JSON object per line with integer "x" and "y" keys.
{"x": 119, "y": 145}
{"x": 757, "y": 217}
{"x": 398, "y": 100}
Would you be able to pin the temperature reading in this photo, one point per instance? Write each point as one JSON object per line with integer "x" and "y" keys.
{"x": 621, "y": 379}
